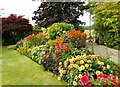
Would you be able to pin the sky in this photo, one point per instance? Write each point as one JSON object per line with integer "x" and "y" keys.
{"x": 26, "y": 8}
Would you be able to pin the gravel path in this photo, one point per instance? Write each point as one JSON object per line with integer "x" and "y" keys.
{"x": 104, "y": 51}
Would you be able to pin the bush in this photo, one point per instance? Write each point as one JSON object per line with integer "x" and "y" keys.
{"x": 58, "y": 28}
{"x": 14, "y": 28}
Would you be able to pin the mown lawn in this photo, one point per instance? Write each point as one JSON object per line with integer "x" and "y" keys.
{"x": 17, "y": 69}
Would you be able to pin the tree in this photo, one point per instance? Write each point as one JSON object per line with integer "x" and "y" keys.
{"x": 14, "y": 28}
{"x": 106, "y": 22}
{"x": 51, "y": 12}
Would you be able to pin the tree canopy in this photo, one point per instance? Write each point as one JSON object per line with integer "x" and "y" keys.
{"x": 51, "y": 12}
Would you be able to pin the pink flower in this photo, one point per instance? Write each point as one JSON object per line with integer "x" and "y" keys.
{"x": 56, "y": 52}
{"x": 58, "y": 47}
{"x": 64, "y": 45}
{"x": 85, "y": 80}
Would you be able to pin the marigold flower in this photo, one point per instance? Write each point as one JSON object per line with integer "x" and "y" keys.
{"x": 78, "y": 57}
{"x": 75, "y": 83}
{"x": 65, "y": 63}
{"x": 101, "y": 63}
{"x": 80, "y": 68}
{"x": 64, "y": 71}
{"x": 86, "y": 65}
{"x": 108, "y": 66}
{"x": 83, "y": 67}
{"x": 82, "y": 62}
{"x": 60, "y": 63}
{"x": 59, "y": 68}
{"x": 98, "y": 72}
{"x": 76, "y": 78}
{"x": 80, "y": 76}
{"x": 59, "y": 78}
{"x": 88, "y": 61}
{"x": 104, "y": 68}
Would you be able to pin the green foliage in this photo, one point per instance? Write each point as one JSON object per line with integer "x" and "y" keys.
{"x": 58, "y": 28}
{"x": 37, "y": 28}
{"x": 106, "y": 23}
{"x": 81, "y": 28}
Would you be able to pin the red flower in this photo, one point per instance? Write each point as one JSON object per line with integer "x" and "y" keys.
{"x": 113, "y": 79}
{"x": 118, "y": 84}
{"x": 66, "y": 49}
{"x": 85, "y": 80}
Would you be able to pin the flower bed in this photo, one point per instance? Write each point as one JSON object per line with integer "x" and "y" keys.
{"x": 67, "y": 56}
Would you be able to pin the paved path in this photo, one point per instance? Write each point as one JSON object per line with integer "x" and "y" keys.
{"x": 104, "y": 51}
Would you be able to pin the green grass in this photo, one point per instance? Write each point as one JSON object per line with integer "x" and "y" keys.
{"x": 18, "y": 69}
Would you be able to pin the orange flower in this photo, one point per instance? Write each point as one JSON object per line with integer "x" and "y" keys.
{"x": 76, "y": 34}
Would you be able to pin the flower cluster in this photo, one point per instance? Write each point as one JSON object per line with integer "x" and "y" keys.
{"x": 76, "y": 34}
{"x": 104, "y": 79}
{"x": 75, "y": 68}
{"x": 61, "y": 48}
{"x": 58, "y": 40}
{"x": 31, "y": 37}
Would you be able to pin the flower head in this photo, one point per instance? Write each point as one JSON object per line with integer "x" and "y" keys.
{"x": 85, "y": 79}
{"x": 74, "y": 83}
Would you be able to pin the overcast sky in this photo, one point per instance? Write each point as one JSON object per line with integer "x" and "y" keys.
{"x": 26, "y": 7}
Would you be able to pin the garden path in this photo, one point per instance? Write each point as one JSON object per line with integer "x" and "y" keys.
{"x": 104, "y": 51}
{"x": 18, "y": 69}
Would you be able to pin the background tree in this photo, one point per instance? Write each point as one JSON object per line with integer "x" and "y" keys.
{"x": 14, "y": 28}
{"x": 51, "y": 12}
{"x": 106, "y": 23}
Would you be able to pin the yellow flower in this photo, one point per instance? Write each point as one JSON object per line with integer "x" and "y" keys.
{"x": 104, "y": 68}
{"x": 80, "y": 68}
{"x": 101, "y": 63}
{"x": 84, "y": 56}
{"x": 108, "y": 66}
{"x": 76, "y": 78}
{"x": 59, "y": 68}
{"x": 90, "y": 64}
{"x": 83, "y": 67}
{"x": 75, "y": 66}
{"x": 59, "y": 78}
{"x": 80, "y": 76}
{"x": 81, "y": 62}
{"x": 65, "y": 63}
{"x": 61, "y": 71}
{"x": 88, "y": 61}
{"x": 70, "y": 66}
{"x": 98, "y": 72}
{"x": 75, "y": 83}
{"x": 60, "y": 63}
{"x": 86, "y": 65}
{"x": 64, "y": 71}
{"x": 78, "y": 57}
{"x": 61, "y": 74}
